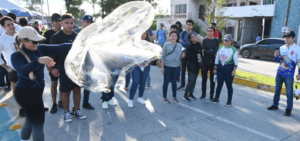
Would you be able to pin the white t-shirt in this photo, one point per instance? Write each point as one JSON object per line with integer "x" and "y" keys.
{"x": 2, "y": 30}
{"x": 7, "y": 48}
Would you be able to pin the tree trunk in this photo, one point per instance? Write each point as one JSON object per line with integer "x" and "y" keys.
{"x": 67, "y": 5}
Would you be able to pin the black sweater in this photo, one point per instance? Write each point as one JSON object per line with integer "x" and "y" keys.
{"x": 192, "y": 52}
{"x": 210, "y": 47}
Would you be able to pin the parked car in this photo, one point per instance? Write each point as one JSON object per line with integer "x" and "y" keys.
{"x": 263, "y": 48}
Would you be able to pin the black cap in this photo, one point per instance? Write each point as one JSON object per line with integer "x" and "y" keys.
{"x": 55, "y": 17}
{"x": 289, "y": 34}
{"x": 12, "y": 15}
{"x": 87, "y": 18}
{"x": 161, "y": 24}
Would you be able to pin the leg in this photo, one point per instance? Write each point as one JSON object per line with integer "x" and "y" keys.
{"x": 278, "y": 87}
{"x": 212, "y": 83}
{"x": 112, "y": 88}
{"x": 149, "y": 77}
{"x": 220, "y": 77}
{"x": 175, "y": 73}
{"x": 195, "y": 80}
{"x": 229, "y": 81}
{"x": 189, "y": 86}
{"x": 76, "y": 97}
{"x": 26, "y": 130}
{"x": 136, "y": 76}
{"x": 289, "y": 82}
{"x": 183, "y": 70}
{"x": 204, "y": 71}
{"x": 54, "y": 91}
{"x": 144, "y": 76}
{"x": 167, "y": 77}
{"x": 14, "y": 84}
{"x": 65, "y": 100}
{"x": 127, "y": 77}
{"x": 86, "y": 96}
{"x": 2, "y": 75}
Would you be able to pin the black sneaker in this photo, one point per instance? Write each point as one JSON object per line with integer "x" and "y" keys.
{"x": 202, "y": 97}
{"x": 215, "y": 101}
{"x": 296, "y": 97}
{"x": 46, "y": 109}
{"x": 192, "y": 96}
{"x": 211, "y": 98}
{"x": 180, "y": 88}
{"x": 78, "y": 114}
{"x": 273, "y": 107}
{"x": 87, "y": 106}
{"x": 21, "y": 113}
{"x": 60, "y": 104}
{"x": 288, "y": 112}
{"x": 54, "y": 108}
{"x": 186, "y": 98}
{"x": 228, "y": 104}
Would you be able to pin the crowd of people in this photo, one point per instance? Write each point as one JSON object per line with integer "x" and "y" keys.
{"x": 25, "y": 53}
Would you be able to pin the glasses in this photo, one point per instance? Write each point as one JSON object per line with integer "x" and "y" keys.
{"x": 33, "y": 42}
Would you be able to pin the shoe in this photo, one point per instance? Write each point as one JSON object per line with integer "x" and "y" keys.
{"x": 175, "y": 99}
{"x": 202, "y": 97}
{"x": 104, "y": 105}
{"x": 186, "y": 98}
{"x": 46, "y": 109}
{"x": 67, "y": 117}
{"x": 273, "y": 107}
{"x": 7, "y": 89}
{"x": 288, "y": 112}
{"x": 211, "y": 98}
{"x": 78, "y": 114}
{"x": 60, "y": 104}
{"x": 215, "y": 101}
{"x": 165, "y": 100}
{"x": 130, "y": 103}
{"x": 87, "y": 106}
{"x": 112, "y": 102}
{"x": 141, "y": 100}
{"x": 54, "y": 108}
{"x": 126, "y": 89}
{"x": 192, "y": 96}
{"x": 21, "y": 113}
{"x": 228, "y": 104}
{"x": 180, "y": 88}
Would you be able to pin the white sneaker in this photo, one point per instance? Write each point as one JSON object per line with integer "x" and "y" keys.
{"x": 141, "y": 100}
{"x": 67, "y": 117}
{"x": 130, "y": 103}
{"x": 112, "y": 102}
{"x": 104, "y": 105}
{"x": 79, "y": 115}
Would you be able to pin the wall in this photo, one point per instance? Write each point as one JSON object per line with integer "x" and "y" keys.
{"x": 169, "y": 21}
{"x": 251, "y": 26}
{"x": 280, "y": 14}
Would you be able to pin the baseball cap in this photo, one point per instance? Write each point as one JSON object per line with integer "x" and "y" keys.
{"x": 161, "y": 24}
{"x": 87, "y": 18}
{"x": 29, "y": 33}
{"x": 228, "y": 37}
{"x": 55, "y": 17}
{"x": 289, "y": 33}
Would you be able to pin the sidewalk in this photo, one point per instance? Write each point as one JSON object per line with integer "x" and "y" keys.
{"x": 247, "y": 118}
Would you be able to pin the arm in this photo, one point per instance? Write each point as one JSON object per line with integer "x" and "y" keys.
{"x": 217, "y": 59}
{"x": 187, "y": 55}
{"x": 3, "y": 64}
{"x": 47, "y": 38}
{"x": 54, "y": 40}
{"x": 163, "y": 57}
{"x": 53, "y": 49}
{"x": 20, "y": 66}
{"x": 276, "y": 56}
{"x": 184, "y": 43}
{"x": 214, "y": 50}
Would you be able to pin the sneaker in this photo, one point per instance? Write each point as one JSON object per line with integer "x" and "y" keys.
{"x": 60, "y": 104}
{"x": 54, "y": 108}
{"x": 175, "y": 99}
{"x": 112, "y": 102}
{"x": 46, "y": 109}
{"x": 147, "y": 86}
{"x": 67, "y": 117}
{"x": 186, "y": 98}
{"x": 228, "y": 104}
{"x": 78, "y": 114}
{"x": 180, "y": 88}
{"x": 211, "y": 98}
{"x": 215, "y": 101}
{"x": 21, "y": 113}
{"x": 273, "y": 107}
{"x": 141, "y": 100}
{"x": 202, "y": 97}
{"x": 130, "y": 103}
{"x": 104, "y": 105}
{"x": 165, "y": 100}
{"x": 296, "y": 97}
{"x": 288, "y": 112}
{"x": 87, "y": 106}
{"x": 192, "y": 96}
{"x": 7, "y": 89}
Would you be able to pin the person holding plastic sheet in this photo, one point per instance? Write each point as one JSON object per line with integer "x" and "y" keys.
{"x": 225, "y": 67}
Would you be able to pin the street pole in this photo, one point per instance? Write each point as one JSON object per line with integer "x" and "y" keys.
{"x": 263, "y": 31}
{"x": 287, "y": 14}
{"x": 42, "y": 14}
{"x": 48, "y": 8}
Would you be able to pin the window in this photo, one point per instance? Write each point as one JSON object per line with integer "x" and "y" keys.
{"x": 252, "y": 3}
{"x": 265, "y": 2}
{"x": 180, "y": 9}
{"x": 230, "y": 5}
{"x": 243, "y": 4}
{"x": 274, "y": 41}
{"x": 264, "y": 42}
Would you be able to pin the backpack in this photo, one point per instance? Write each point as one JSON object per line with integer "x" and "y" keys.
{"x": 164, "y": 33}
{"x": 220, "y": 36}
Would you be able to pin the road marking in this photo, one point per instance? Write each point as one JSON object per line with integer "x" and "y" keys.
{"x": 230, "y": 122}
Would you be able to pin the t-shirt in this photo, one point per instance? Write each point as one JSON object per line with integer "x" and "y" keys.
{"x": 48, "y": 34}
{"x": 192, "y": 52}
{"x": 7, "y": 48}
{"x": 77, "y": 30}
{"x": 2, "y": 30}
{"x": 59, "y": 38}
{"x": 217, "y": 34}
{"x": 210, "y": 47}
{"x": 17, "y": 27}
{"x": 257, "y": 38}
{"x": 161, "y": 36}
{"x": 227, "y": 55}
{"x": 172, "y": 59}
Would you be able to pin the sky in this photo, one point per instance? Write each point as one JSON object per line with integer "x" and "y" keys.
{"x": 58, "y": 6}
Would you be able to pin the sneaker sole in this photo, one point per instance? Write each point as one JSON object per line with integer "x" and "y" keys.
{"x": 80, "y": 117}
{"x": 175, "y": 101}
{"x": 193, "y": 98}
{"x": 69, "y": 120}
{"x": 214, "y": 102}
{"x": 166, "y": 102}
{"x": 184, "y": 100}
{"x": 227, "y": 105}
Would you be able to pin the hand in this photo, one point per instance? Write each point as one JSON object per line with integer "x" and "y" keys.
{"x": 182, "y": 55}
{"x": 49, "y": 68}
{"x": 9, "y": 69}
{"x": 181, "y": 40}
{"x": 55, "y": 72}
{"x": 162, "y": 70}
{"x": 46, "y": 60}
{"x": 298, "y": 77}
{"x": 233, "y": 73}
{"x": 276, "y": 54}
{"x": 215, "y": 71}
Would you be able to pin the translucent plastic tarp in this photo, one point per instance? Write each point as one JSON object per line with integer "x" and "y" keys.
{"x": 110, "y": 46}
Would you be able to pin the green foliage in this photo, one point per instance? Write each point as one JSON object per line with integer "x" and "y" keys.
{"x": 73, "y": 7}
{"x": 153, "y": 26}
{"x": 196, "y": 28}
{"x": 215, "y": 11}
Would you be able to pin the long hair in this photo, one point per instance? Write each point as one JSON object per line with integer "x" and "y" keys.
{"x": 147, "y": 37}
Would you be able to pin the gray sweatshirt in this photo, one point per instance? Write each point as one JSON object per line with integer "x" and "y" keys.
{"x": 170, "y": 60}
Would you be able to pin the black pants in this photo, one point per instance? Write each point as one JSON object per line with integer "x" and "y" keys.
{"x": 31, "y": 101}
{"x": 193, "y": 71}
{"x": 183, "y": 70}
{"x": 204, "y": 71}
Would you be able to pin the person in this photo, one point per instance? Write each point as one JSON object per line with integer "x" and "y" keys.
{"x": 184, "y": 41}
{"x": 7, "y": 48}
{"x": 55, "y": 21}
{"x": 36, "y": 26}
{"x": 14, "y": 17}
{"x": 127, "y": 80}
{"x": 161, "y": 35}
{"x": 225, "y": 67}
{"x": 175, "y": 28}
{"x": 2, "y": 70}
{"x": 86, "y": 21}
{"x": 107, "y": 97}
{"x": 23, "y": 22}
{"x": 29, "y": 63}
{"x": 179, "y": 25}
{"x": 210, "y": 47}
{"x": 170, "y": 65}
{"x": 258, "y": 38}
{"x": 139, "y": 77}
{"x": 66, "y": 84}
{"x": 1, "y": 29}
{"x": 217, "y": 33}
{"x": 193, "y": 57}
{"x": 288, "y": 56}
{"x": 148, "y": 82}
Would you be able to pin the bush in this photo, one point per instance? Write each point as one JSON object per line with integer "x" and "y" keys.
{"x": 196, "y": 28}
{"x": 153, "y": 26}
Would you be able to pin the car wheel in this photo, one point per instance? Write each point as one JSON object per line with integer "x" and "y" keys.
{"x": 246, "y": 53}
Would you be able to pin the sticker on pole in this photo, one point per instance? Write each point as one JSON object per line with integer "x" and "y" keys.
{"x": 285, "y": 29}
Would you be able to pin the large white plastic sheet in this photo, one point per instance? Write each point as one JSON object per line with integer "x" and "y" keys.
{"x": 110, "y": 46}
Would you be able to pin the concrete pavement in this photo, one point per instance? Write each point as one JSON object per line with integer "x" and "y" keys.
{"x": 247, "y": 119}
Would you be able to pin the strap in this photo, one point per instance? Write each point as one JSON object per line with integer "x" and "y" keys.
{"x": 172, "y": 50}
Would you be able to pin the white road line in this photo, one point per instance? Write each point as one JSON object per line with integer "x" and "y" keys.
{"x": 230, "y": 122}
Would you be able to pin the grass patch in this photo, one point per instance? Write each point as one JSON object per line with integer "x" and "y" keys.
{"x": 255, "y": 77}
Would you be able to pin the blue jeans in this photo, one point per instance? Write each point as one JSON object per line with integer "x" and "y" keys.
{"x": 289, "y": 82}
{"x": 127, "y": 79}
{"x": 171, "y": 73}
{"x": 2, "y": 75}
{"x": 138, "y": 80}
{"x": 86, "y": 93}
{"x": 149, "y": 77}
{"x": 224, "y": 74}
{"x": 108, "y": 96}
{"x": 161, "y": 44}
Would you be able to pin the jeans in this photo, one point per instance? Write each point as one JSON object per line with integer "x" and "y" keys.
{"x": 288, "y": 81}
{"x": 2, "y": 76}
{"x": 183, "y": 70}
{"x": 149, "y": 77}
{"x": 224, "y": 74}
{"x": 138, "y": 80}
{"x": 108, "y": 96}
{"x": 171, "y": 73}
{"x": 86, "y": 93}
{"x": 127, "y": 79}
{"x": 161, "y": 44}
{"x": 204, "y": 71}
{"x": 193, "y": 71}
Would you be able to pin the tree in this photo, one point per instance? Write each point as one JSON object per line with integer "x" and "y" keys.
{"x": 93, "y": 3}
{"x": 215, "y": 11}
{"x": 72, "y": 7}
{"x": 30, "y": 4}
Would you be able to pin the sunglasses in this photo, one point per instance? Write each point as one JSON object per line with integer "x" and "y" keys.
{"x": 33, "y": 42}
